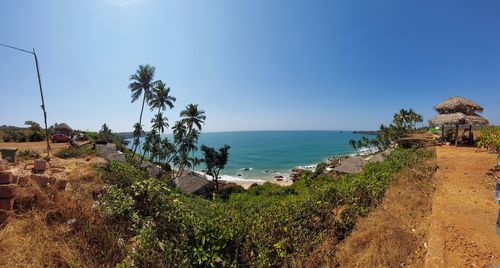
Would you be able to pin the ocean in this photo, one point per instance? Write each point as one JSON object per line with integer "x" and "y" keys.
{"x": 261, "y": 155}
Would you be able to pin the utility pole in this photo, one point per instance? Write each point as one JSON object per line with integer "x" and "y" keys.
{"x": 41, "y": 94}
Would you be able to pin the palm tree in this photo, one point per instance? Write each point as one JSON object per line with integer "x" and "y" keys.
{"x": 159, "y": 122}
{"x": 161, "y": 97}
{"x": 180, "y": 131}
{"x": 353, "y": 144}
{"x": 141, "y": 84}
{"x": 191, "y": 116}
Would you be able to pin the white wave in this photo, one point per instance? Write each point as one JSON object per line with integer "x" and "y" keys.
{"x": 366, "y": 151}
{"x": 308, "y": 167}
{"x": 233, "y": 178}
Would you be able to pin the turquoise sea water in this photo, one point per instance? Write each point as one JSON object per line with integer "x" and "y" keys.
{"x": 266, "y": 153}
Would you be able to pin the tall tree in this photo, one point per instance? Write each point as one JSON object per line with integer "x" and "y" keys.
{"x": 142, "y": 81}
{"x": 161, "y": 97}
{"x": 191, "y": 116}
{"x": 159, "y": 122}
{"x": 215, "y": 161}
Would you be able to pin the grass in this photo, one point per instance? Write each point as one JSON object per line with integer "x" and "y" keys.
{"x": 74, "y": 152}
{"x": 40, "y": 235}
{"x": 267, "y": 225}
{"x": 394, "y": 233}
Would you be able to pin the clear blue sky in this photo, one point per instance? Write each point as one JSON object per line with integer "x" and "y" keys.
{"x": 251, "y": 65}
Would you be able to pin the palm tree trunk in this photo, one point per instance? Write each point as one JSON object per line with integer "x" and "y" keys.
{"x": 456, "y": 135}
{"x": 140, "y": 117}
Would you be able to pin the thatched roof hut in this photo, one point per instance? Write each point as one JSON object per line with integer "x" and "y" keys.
{"x": 458, "y": 105}
{"x": 63, "y": 128}
{"x": 458, "y": 111}
{"x": 353, "y": 164}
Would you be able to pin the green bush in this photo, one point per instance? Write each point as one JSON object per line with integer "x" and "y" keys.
{"x": 27, "y": 154}
{"x": 490, "y": 138}
{"x": 74, "y": 152}
{"x": 267, "y": 225}
{"x": 36, "y": 136}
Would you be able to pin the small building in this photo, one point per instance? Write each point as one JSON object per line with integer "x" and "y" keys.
{"x": 63, "y": 128}
{"x": 456, "y": 112}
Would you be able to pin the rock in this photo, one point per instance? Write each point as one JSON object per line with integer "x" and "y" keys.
{"x": 296, "y": 173}
{"x": 239, "y": 175}
{"x": 43, "y": 180}
{"x": 8, "y": 190}
{"x": 53, "y": 217}
{"x": 25, "y": 202}
{"x": 61, "y": 184}
{"x": 40, "y": 165}
{"x": 152, "y": 169}
{"x": 4, "y": 215}
{"x": 4, "y": 164}
{"x": 6, "y": 203}
{"x": 6, "y": 177}
{"x": 246, "y": 169}
{"x": 279, "y": 177}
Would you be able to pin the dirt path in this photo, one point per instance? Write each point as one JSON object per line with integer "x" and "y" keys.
{"x": 462, "y": 222}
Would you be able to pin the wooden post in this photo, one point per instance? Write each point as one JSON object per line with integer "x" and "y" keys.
{"x": 456, "y": 135}
{"x": 442, "y": 133}
{"x": 470, "y": 135}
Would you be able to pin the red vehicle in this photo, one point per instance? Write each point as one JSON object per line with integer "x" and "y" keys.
{"x": 60, "y": 138}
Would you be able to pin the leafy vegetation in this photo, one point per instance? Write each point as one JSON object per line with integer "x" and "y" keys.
{"x": 404, "y": 122}
{"x": 78, "y": 151}
{"x": 215, "y": 161}
{"x": 186, "y": 131}
{"x": 267, "y": 225}
{"x": 27, "y": 154}
{"x": 490, "y": 138}
{"x": 33, "y": 133}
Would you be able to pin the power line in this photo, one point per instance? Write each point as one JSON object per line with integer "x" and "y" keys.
{"x": 16, "y": 48}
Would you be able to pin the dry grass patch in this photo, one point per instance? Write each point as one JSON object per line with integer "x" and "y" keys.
{"x": 394, "y": 234}
{"x": 59, "y": 228}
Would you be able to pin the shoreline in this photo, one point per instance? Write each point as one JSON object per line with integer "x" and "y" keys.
{"x": 286, "y": 178}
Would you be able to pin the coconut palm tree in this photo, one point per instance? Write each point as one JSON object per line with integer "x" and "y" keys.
{"x": 141, "y": 84}
{"x": 159, "y": 122}
{"x": 353, "y": 143}
{"x": 160, "y": 97}
{"x": 191, "y": 116}
{"x": 179, "y": 130}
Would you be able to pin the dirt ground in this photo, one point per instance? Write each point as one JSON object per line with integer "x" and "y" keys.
{"x": 462, "y": 222}
{"x": 40, "y": 146}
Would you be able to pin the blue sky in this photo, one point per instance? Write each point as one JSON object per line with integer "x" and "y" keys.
{"x": 251, "y": 65}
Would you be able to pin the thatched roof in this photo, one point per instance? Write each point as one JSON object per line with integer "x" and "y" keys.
{"x": 476, "y": 120}
{"x": 457, "y": 119}
{"x": 193, "y": 183}
{"x": 447, "y": 119}
{"x": 457, "y": 105}
{"x": 353, "y": 164}
{"x": 63, "y": 126}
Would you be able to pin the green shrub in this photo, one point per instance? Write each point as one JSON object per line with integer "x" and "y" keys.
{"x": 36, "y": 136}
{"x": 267, "y": 225}
{"x": 490, "y": 138}
{"x": 74, "y": 152}
{"x": 27, "y": 154}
